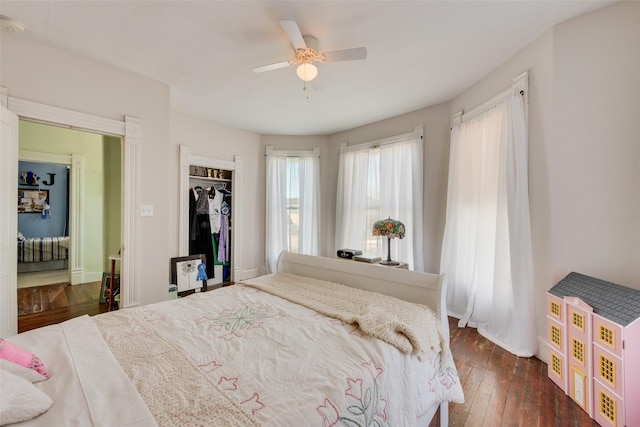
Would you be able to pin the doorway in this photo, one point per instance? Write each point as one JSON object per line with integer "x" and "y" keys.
{"x": 129, "y": 128}
{"x": 83, "y": 215}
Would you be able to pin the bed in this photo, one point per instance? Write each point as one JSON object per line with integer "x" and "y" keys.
{"x": 256, "y": 353}
{"x": 42, "y": 253}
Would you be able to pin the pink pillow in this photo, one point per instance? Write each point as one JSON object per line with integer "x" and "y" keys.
{"x": 15, "y": 354}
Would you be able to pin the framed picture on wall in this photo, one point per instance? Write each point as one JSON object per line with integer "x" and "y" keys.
{"x": 184, "y": 273}
{"x": 31, "y": 201}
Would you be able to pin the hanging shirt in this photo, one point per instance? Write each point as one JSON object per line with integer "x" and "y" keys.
{"x": 202, "y": 205}
{"x": 215, "y": 203}
{"x": 225, "y": 211}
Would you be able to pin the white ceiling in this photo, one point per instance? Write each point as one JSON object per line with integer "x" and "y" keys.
{"x": 420, "y": 53}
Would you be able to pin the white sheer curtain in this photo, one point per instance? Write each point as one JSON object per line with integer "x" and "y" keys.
{"x": 401, "y": 183}
{"x": 301, "y": 183}
{"x": 276, "y": 214}
{"x": 352, "y": 200}
{"x": 384, "y": 180}
{"x": 486, "y": 251}
{"x": 309, "y": 184}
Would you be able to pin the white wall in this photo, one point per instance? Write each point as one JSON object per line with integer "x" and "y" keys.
{"x": 209, "y": 139}
{"x": 36, "y": 72}
{"x": 596, "y": 122}
{"x": 436, "y": 161}
{"x": 584, "y": 154}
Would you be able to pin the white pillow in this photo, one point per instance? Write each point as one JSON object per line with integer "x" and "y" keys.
{"x": 19, "y": 370}
{"x": 20, "y": 400}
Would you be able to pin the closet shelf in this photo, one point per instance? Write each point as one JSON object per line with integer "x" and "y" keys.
{"x": 206, "y": 178}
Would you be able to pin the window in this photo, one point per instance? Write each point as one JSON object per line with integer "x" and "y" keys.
{"x": 556, "y": 336}
{"x": 577, "y": 320}
{"x": 608, "y": 407}
{"x": 555, "y": 309}
{"x": 556, "y": 365}
{"x": 376, "y": 180}
{"x": 293, "y": 203}
{"x": 607, "y": 336}
{"x": 486, "y": 248}
{"x": 578, "y": 350}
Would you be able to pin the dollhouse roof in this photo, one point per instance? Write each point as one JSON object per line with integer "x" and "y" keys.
{"x": 617, "y": 303}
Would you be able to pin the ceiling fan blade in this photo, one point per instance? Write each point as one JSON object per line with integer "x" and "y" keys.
{"x": 293, "y": 33}
{"x": 346, "y": 54}
{"x": 263, "y": 68}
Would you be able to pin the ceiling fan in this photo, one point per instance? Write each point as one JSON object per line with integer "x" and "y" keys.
{"x": 307, "y": 52}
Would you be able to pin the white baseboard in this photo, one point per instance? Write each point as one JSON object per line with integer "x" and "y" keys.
{"x": 543, "y": 350}
{"x": 79, "y": 277}
{"x": 249, "y": 273}
{"x": 92, "y": 277}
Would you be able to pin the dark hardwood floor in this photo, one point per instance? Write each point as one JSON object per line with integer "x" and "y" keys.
{"x": 45, "y": 305}
{"x": 505, "y": 390}
{"x": 500, "y": 389}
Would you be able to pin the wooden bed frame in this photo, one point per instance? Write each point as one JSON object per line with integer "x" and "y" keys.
{"x": 422, "y": 288}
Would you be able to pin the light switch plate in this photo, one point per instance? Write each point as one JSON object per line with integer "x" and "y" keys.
{"x": 146, "y": 210}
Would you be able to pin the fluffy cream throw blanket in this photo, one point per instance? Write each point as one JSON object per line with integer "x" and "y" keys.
{"x": 410, "y": 327}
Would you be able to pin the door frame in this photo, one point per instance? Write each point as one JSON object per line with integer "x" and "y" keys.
{"x": 187, "y": 159}
{"x": 130, "y": 130}
{"x": 8, "y": 223}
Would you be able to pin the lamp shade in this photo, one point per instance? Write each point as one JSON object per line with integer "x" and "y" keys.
{"x": 307, "y": 71}
{"x": 390, "y": 228}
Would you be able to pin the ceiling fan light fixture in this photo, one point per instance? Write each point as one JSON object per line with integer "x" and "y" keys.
{"x": 307, "y": 71}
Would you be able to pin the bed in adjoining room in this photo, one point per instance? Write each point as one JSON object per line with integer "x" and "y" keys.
{"x": 322, "y": 342}
{"x": 42, "y": 253}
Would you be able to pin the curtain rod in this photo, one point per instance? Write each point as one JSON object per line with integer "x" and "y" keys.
{"x": 520, "y": 84}
{"x": 315, "y": 152}
{"x": 418, "y": 132}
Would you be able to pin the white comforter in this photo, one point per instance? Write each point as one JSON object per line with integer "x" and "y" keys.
{"x": 283, "y": 364}
{"x": 236, "y": 356}
{"x": 86, "y": 383}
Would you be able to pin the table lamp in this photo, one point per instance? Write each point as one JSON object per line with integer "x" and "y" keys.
{"x": 391, "y": 229}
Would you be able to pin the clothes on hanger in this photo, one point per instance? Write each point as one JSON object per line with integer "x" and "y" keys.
{"x": 225, "y": 212}
{"x": 209, "y": 225}
{"x": 215, "y": 203}
{"x": 200, "y": 227}
{"x": 202, "y": 203}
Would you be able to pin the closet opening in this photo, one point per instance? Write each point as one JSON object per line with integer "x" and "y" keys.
{"x": 210, "y": 212}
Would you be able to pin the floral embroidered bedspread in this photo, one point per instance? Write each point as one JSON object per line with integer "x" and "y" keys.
{"x": 412, "y": 328}
{"x": 283, "y": 364}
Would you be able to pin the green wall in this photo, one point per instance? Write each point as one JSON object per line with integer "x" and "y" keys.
{"x": 112, "y": 196}
{"x": 97, "y": 211}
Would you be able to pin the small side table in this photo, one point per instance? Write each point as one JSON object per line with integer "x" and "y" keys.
{"x": 402, "y": 265}
{"x": 112, "y": 279}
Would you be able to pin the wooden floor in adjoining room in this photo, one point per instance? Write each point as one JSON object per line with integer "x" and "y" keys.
{"x": 45, "y": 305}
{"x": 505, "y": 390}
{"x": 41, "y": 278}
